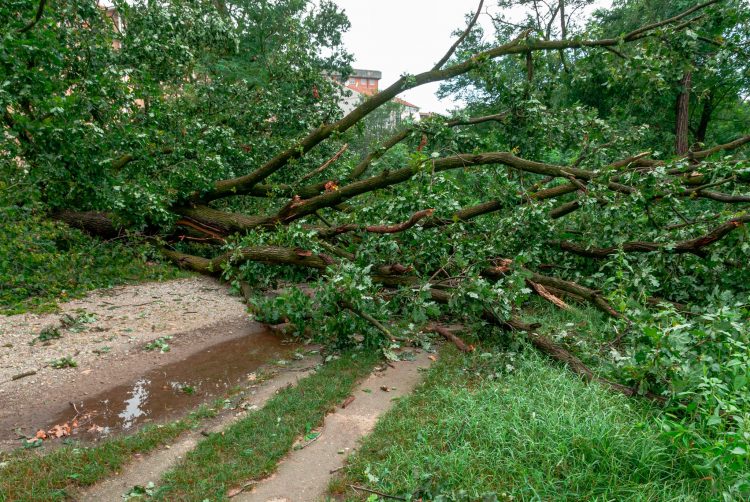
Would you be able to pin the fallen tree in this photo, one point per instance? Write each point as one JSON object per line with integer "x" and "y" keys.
{"x": 223, "y": 189}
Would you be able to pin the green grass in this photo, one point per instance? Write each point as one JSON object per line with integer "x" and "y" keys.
{"x": 523, "y": 428}
{"x": 48, "y": 476}
{"x": 43, "y": 262}
{"x": 252, "y": 447}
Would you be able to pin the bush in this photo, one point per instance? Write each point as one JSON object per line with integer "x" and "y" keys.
{"x": 44, "y": 261}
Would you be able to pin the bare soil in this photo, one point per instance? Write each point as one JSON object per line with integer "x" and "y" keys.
{"x": 197, "y": 313}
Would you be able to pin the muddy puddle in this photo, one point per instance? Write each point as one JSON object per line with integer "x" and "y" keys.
{"x": 169, "y": 391}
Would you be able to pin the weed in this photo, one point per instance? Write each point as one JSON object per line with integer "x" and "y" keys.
{"x": 159, "y": 344}
{"x": 139, "y": 492}
{"x": 47, "y": 334}
{"x": 77, "y": 322}
{"x": 63, "y": 362}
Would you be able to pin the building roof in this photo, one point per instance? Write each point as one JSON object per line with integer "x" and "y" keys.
{"x": 377, "y": 75}
{"x": 404, "y": 103}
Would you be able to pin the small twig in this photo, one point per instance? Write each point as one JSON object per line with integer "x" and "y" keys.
{"x": 463, "y": 36}
{"x": 78, "y": 413}
{"x": 241, "y": 489}
{"x": 325, "y": 164}
{"x": 375, "y": 492}
{"x": 311, "y": 441}
{"x": 367, "y": 317}
{"x": 23, "y": 375}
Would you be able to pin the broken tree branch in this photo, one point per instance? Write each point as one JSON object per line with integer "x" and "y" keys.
{"x": 446, "y": 333}
{"x": 693, "y": 246}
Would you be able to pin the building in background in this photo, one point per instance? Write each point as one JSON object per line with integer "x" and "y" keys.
{"x": 364, "y": 83}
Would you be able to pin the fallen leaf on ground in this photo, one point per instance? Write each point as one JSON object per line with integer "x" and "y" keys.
{"x": 349, "y": 400}
{"x": 40, "y": 434}
{"x": 385, "y": 388}
{"x": 59, "y": 431}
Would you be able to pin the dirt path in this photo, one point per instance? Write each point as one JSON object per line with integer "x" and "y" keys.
{"x": 108, "y": 348}
{"x": 304, "y": 474}
{"x": 150, "y": 468}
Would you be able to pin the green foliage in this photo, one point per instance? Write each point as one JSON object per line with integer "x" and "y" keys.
{"x": 185, "y": 96}
{"x": 199, "y": 91}
{"x": 43, "y": 262}
{"x": 702, "y": 362}
{"x": 161, "y": 344}
{"x": 341, "y": 297}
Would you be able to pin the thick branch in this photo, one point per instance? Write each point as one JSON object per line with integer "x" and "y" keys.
{"x": 273, "y": 255}
{"x": 497, "y": 117}
{"x": 223, "y": 222}
{"x": 693, "y": 246}
{"x": 379, "y": 229}
{"x": 448, "y": 335}
{"x": 571, "y": 287}
{"x": 37, "y": 17}
{"x": 94, "y": 222}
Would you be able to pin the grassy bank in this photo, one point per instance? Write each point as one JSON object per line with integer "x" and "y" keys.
{"x": 521, "y": 428}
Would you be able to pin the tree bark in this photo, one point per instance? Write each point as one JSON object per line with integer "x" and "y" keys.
{"x": 93, "y": 222}
{"x": 708, "y": 108}
{"x": 682, "y": 116}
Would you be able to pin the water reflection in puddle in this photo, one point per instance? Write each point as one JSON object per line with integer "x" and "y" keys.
{"x": 167, "y": 391}
{"x": 133, "y": 406}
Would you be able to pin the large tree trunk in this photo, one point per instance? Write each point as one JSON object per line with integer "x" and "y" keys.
{"x": 93, "y": 222}
{"x": 682, "y": 120}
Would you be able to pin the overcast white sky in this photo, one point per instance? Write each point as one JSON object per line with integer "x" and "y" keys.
{"x": 407, "y": 36}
